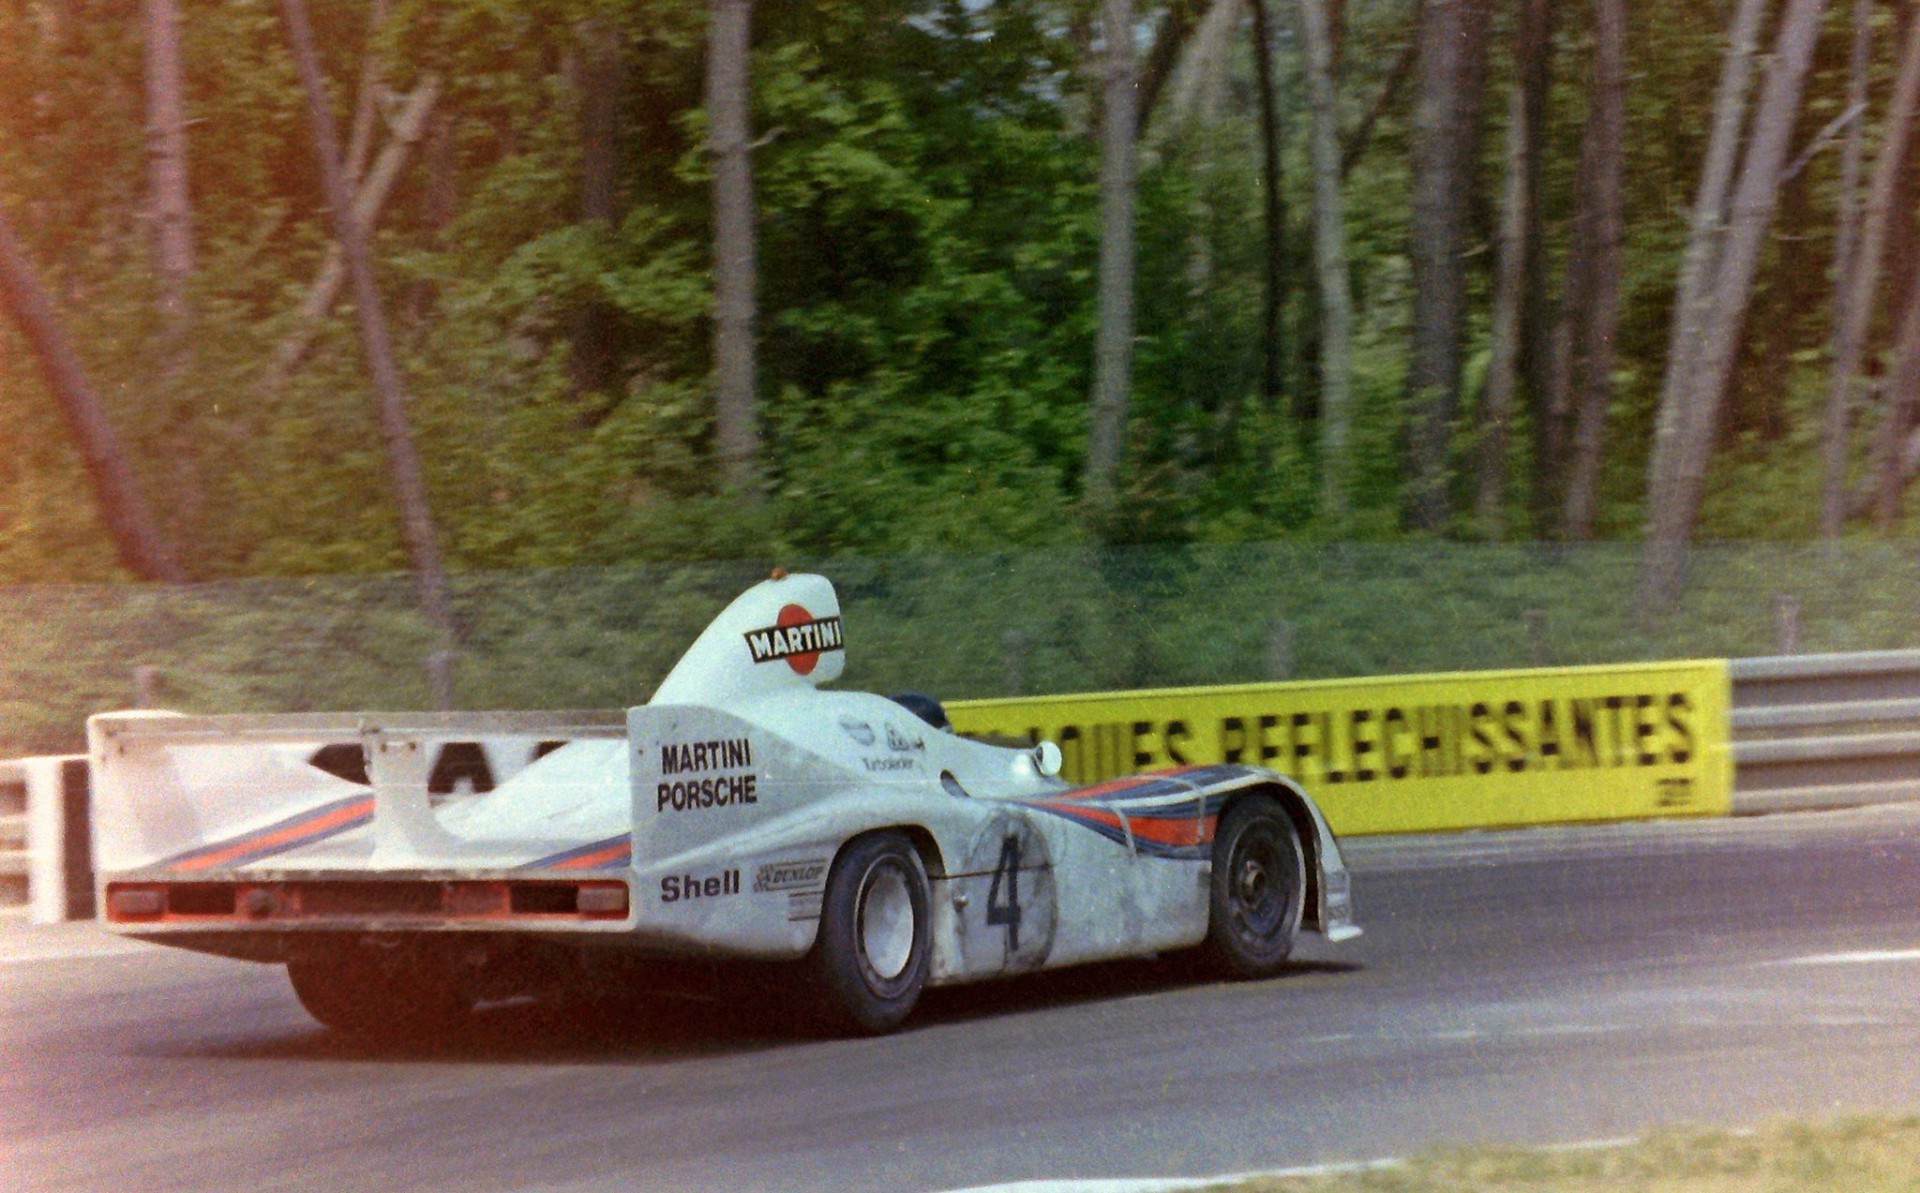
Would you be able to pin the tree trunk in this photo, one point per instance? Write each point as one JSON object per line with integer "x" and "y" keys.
{"x": 1452, "y": 53}
{"x": 1706, "y": 227}
{"x": 1330, "y": 267}
{"x": 1476, "y": 41}
{"x": 1194, "y": 106}
{"x": 1690, "y": 412}
{"x": 736, "y": 404}
{"x": 410, "y": 491}
{"x": 602, "y": 84}
{"x": 1518, "y": 238}
{"x": 167, "y": 172}
{"x": 1663, "y": 565}
{"x": 1854, "y": 316}
{"x": 1538, "y": 361}
{"x": 143, "y": 550}
{"x": 1273, "y": 372}
{"x": 440, "y": 161}
{"x": 1113, "y": 353}
{"x": 1903, "y": 398}
{"x": 1597, "y": 236}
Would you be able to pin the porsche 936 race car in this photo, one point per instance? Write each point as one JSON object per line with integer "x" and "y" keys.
{"x": 741, "y": 813}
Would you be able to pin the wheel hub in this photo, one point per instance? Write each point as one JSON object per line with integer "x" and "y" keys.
{"x": 1253, "y": 881}
{"x": 886, "y": 922}
{"x": 1259, "y": 897}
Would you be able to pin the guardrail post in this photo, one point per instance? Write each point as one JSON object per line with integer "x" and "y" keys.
{"x": 440, "y": 678}
{"x": 59, "y": 839}
{"x": 146, "y": 687}
{"x": 1535, "y": 621}
{"x": 1786, "y": 615}
{"x": 1013, "y": 645}
{"x": 1279, "y": 649}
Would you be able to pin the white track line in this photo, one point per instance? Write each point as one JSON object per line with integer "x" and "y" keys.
{"x": 71, "y": 953}
{"x": 1866, "y": 957}
{"x": 1172, "y": 1184}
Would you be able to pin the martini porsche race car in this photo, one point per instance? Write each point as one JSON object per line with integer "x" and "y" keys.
{"x": 742, "y": 812}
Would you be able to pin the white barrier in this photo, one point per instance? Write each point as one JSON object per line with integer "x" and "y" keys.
{"x": 45, "y": 838}
{"x": 59, "y": 838}
{"x": 14, "y": 857}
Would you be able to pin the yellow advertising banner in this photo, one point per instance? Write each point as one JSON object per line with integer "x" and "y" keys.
{"x": 1421, "y": 752}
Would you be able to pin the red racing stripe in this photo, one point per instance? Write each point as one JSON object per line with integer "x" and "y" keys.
{"x": 286, "y": 838}
{"x": 620, "y": 852}
{"x": 1191, "y": 830}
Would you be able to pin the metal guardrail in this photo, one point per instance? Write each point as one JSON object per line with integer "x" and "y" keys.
{"x": 1826, "y": 731}
{"x": 46, "y": 871}
{"x": 1810, "y": 732}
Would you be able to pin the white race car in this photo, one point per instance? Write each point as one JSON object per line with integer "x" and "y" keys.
{"x": 741, "y": 813}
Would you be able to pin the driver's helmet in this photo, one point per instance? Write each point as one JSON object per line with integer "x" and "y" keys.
{"x": 925, "y": 707}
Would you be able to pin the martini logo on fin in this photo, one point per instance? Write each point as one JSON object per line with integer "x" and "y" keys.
{"x": 797, "y": 636}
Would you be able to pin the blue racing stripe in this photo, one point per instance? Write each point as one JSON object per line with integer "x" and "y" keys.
{"x": 619, "y": 851}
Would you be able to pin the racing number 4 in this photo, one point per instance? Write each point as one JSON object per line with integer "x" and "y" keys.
{"x": 1006, "y": 876}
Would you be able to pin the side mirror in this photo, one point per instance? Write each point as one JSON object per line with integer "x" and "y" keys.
{"x": 1046, "y": 757}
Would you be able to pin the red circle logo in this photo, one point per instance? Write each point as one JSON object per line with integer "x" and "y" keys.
{"x": 795, "y": 615}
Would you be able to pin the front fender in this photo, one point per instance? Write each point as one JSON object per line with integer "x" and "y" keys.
{"x": 1329, "y": 909}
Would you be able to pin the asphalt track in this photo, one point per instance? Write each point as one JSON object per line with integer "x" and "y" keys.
{"x": 1525, "y": 987}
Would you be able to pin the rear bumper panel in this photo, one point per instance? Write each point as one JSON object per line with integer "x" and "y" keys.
{"x": 158, "y": 906}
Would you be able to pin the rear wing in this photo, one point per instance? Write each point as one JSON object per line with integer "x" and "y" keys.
{"x": 215, "y": 793}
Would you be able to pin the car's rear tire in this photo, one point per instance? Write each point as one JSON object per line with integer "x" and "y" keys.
{"x": 380, "y": 993}
{"x": 1257, "y": 893}
{"x": 870, "y": 959}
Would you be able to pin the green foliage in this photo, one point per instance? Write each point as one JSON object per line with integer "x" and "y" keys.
{"x": 926, "y": 189}
{"x": 1859, "y": 1155}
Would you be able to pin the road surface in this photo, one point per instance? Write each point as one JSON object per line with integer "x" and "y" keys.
{"x": 1553, "y": 985}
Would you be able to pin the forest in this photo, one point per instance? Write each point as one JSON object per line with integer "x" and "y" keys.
{"x": 683, "y": 281}
{"x": 1126, "y": 342}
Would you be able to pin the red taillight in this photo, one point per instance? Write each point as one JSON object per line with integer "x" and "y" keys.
{"x": 136, "y": 903}
{"x": 602, "y": 900}
{"x": 309, "y": 900}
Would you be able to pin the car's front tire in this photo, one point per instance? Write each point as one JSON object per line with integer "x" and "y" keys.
{"x": 870, "y": 959}
{"x": 1258, "y": 890}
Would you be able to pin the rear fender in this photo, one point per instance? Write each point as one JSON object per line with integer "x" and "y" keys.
{"x": 736, "y": 828}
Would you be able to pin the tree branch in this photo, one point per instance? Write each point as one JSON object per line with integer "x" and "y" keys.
{"x": 1357, "y": 141}
{"x": 1182, "y": 17}
{"x": 373, "y": 91}
{"x": 1820, "y": 141}
{"x": 409, "y": 128}
{"x": 410, "y": 491}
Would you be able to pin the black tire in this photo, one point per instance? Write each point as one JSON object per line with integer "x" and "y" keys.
{"x": 868, "y": 963}
{"x": 380, "y": 993}
{"x": 1257, "y": 893}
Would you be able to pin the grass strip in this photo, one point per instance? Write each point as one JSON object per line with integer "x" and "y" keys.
{"x": 1855, "y": 1154}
